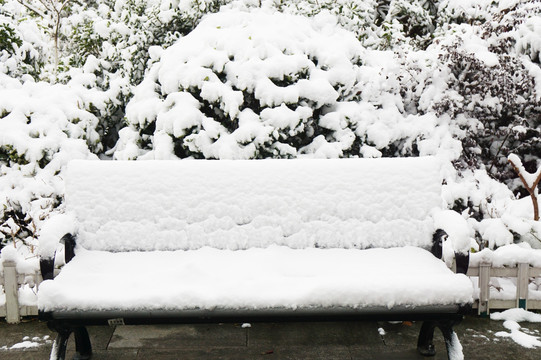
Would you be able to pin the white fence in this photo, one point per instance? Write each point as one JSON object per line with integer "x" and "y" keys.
{"x": 481, "y": 276}
{"x": 11, "y": 282}
{"x": 522, "y": 275}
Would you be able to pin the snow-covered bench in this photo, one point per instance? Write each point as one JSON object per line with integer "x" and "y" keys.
{"x": 194, "y": 240}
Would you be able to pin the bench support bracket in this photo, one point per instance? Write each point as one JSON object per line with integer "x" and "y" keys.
{"x": 83, "y": 347}
{"x": 425, "y": 344}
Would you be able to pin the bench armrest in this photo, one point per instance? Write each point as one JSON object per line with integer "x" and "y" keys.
{"x": 58, "y": 228}
{"x": 462, "y": 259}
{"x": 462, "y": 262}
{"x": 46, "y": 264}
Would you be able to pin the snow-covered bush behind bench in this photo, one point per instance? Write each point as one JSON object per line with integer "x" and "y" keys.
{"x": 261, "y": 84}
{"x": 23, "y": 43}
{"x": 246, "y": 85}
{"x": 121, "y": 31}
{"x": 490, "y": 82}
{"x": 42, "y": 127}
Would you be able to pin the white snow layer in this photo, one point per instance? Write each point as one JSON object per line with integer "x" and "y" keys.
{"x": 275, "y": 277}
{"x": 509, "y": 255}
{"x": 517, "y": 315}
{"x": 521, "y": 338}
{"x": 52, "y": 231}
{"x": 456, "y": 227}
{"x": 179, "y": 205}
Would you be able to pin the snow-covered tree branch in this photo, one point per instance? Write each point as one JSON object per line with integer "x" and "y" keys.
{"x": 530, "y": 181}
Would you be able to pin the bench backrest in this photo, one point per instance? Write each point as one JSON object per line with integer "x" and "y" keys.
{"x": 188, "y": 204}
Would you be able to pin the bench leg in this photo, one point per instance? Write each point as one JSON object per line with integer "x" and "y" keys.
{"x": 58, "y": 352}
{"x": 82, "y": 344}
{"x": 454, "y": 349}
{"x": 425, "y": 344}
{"x": 83, "y": 347}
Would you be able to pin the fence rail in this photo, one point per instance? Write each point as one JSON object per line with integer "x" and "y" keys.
{"x": 523, "y": 272}
{"x": 11, "y": 282}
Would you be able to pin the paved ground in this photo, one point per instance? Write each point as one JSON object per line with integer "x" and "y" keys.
{"x": 345, "y": 340}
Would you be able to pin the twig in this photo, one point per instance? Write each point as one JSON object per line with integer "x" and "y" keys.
{"x": 31, "y": 8}
{"x": 531, "y": 190}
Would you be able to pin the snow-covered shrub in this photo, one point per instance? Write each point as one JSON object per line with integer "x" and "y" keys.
{"x": 42, "y": 127}
{"x": 23, "y": 48}
{"x": 247, "y": 85}
{"x": 107, "y": 41}
{"x": 276, "y": 85}
{"x": 121, "y": 31}
{"x": 413, "y": 20}
{"x": 357, "y": 16}
{"x": 497, "y": 92}
{"x": 475, "y": 75}
{"x": 51, "y": 12}
{"x": 472, "y": 12}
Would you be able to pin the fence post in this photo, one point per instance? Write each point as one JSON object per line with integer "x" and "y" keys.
{"x": 522, "y": 285}
{"x": 484, "y": 289}
{"x": 11, "y": 290}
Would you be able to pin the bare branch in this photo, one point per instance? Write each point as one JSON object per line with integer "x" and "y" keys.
{"x": 531, "y": 190}
{"x": 31, "y": 8}
{"x": 64, "y": 5}
{"x": 48, "y": 5}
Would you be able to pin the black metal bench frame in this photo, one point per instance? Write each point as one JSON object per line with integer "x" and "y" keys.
{"x": 74, "y": 322}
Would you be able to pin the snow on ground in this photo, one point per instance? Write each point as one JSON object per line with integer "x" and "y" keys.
{"x": 28, "y": 343}
{"x": 517, "y": 315}
{"x": 517, "y": 333}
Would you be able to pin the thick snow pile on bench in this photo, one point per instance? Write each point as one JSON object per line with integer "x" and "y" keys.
{"x": 275, "y": 277}
{"x": 174, "y": 205}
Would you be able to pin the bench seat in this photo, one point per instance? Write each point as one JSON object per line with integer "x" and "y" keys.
{"x": 276, "y": 277}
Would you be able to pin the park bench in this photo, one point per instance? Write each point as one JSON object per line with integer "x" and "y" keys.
{"x": 257, "y": 240}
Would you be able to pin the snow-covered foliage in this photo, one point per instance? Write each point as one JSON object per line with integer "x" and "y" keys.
{"x": 23, "y": 43}
{"x": 42, "y": 127}
{"x": 457, "y": 79}
{"x": 120, "y": 32}
{"x": 248, "y": 85}
{"x": 491, "y": 83}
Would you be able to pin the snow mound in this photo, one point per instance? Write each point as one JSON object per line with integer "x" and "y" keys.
{"x": 254, "y": 279}
{"x": 170, "y": 205}
{"x": 517, "y": 315}
{"x": 511, "y": 319}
